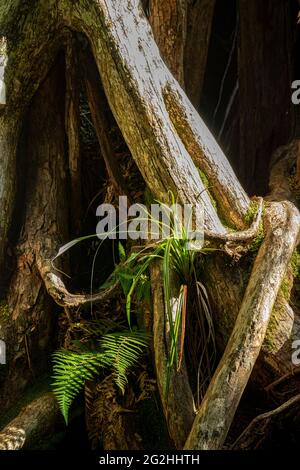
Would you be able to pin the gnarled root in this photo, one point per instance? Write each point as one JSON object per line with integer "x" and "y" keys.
{"x": 58, "y": 291}
{"x": 260, "y": 427}
{"x": 217, "y": 410}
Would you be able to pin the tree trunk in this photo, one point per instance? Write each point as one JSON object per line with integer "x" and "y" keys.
{"x": 28, "y": 331}
{"x": 35, "y": 423}
{"x": 261, "y": 75}
{"x": 168, "y": 19}
{"x": 170, "y": 144}
{"x": 199, "y": 24}
{"x": 22, "y": 79}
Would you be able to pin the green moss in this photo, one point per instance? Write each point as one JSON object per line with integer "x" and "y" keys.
{"x": 294, "y": 187}
{"x": 276, "y": 318}
{"x": 286, "y": 288}
{"x": 4, "y": 311}
{"x": 205, "y": 182}
{"x": 295, "y": 263}
{"x": 251, "y": 212}
{"x": 257, "y": 241}
{"x": 249, "y": 217}
{"x": 278, "y": 313}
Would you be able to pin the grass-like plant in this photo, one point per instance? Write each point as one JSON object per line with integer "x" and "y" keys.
{"x": 192, "y": 307}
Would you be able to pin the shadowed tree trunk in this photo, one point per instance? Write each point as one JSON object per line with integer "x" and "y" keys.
{"x": 29, "y": 329}
{"x": 199, "y": 24}
{"x": 182, "y": 30}
{"x": 171, "y": 40}
{"x": 169, "y": 143}
{"x": 264, "y": 84}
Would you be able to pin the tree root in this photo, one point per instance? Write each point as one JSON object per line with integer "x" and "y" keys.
{"x": 243, "y": 235}
{"x": 58, "y": 291}
{"x": 281, "y": 380}
{"x": 217, "y": 410}
{"x": 260, "y": 426}
{"x": 35, "y": 422}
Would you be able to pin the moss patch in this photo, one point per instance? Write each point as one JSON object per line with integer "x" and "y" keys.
{"x": 4, "y": 311}
{"x": 278, "y": 313}
{"x": 249, "y": 217}
{"x": 274, "y": 324}
{"x": 251, "y": 212}
{"x": 205, "y": 182}
{"x": 295, "y": 263}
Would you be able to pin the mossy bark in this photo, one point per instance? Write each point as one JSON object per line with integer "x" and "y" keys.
{"x": 166, "y": 138}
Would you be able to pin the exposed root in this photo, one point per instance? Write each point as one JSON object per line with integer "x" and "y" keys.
{"x": 284, "y": 378}
{"x": 260, "y": 426}
{"x": 58, "y": 291}
{"x": 36, "y": 421}
{"x": 242, "y": 236}
{"x": 218, "y": 408}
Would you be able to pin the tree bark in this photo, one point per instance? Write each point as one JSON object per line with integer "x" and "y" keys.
{"x": 22, "y": 79}
{"x": 199, "y": 24}
{"x": 168, "y": 19}
{"x": 72, "y": 124}
{"x": 217, "y": 410}
{"x": 35, "y": 423}
{"x": 28, "y": 332}
{"x": 261, "y": 75}
{"x": 127, "y": 71}
{"x": 168, "y": 141}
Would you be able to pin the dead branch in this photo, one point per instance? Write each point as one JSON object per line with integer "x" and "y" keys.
{"x": 36, "y": 421}
{"x": 260, "y": 426}
{"x": 58, "y": 291}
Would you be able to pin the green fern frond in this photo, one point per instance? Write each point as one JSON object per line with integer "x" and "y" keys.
{"x": 119, "y": 351}
{"x": 122, "y": 351}
{"x": 71, "y": 370}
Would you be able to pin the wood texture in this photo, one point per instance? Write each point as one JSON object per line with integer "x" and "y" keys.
{"x": 265, "y": 75}
{"x": 35, "y": 423}
{"x": 217, "y": 410}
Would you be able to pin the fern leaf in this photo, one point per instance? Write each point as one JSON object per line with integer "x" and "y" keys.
{"x": 119, "y": 351}
{"x": 71, "y": 370}
{"x": 122, "y": 351}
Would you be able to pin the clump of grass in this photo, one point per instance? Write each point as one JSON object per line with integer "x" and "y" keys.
{"x": 192, "y": 305}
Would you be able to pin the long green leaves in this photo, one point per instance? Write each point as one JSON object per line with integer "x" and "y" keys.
{"x": 188, "y": 300}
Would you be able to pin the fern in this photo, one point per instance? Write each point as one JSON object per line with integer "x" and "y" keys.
{"x": 122, "y": 351}
{"x": 118, "y": 351}
{"x": 71, "y": 370}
